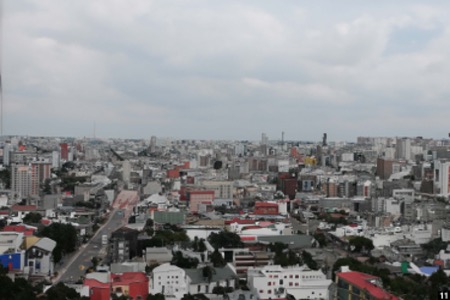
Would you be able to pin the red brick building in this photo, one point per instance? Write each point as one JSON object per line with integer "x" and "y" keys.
{"x": 265, "y": 208}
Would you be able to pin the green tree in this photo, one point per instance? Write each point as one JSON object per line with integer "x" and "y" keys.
{"x": 65, "y": 236}
{"x": 62, "y": 291}
{"x": 158, "y": 296}
{"x": 208, "y": 272}
{"x": 225, "y": 239}
{"x": 5, "y": 177}
{"x": 32, "y": 218}
{"x": 217, "y": 259}
{"x": 360, "y": 244}
{"x": 309, "y": 261}
{"x": 184, "y": 262}
{"x": 433, "y": 247}
{"x": 167, "y": 237}
{"x": 321, "y": 239}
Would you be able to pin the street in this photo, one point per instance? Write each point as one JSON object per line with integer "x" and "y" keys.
{"x": 78, "y": 263}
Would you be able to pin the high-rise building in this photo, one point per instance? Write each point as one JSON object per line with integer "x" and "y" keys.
{"x": 64, "y": 150}
{"x": 384, "y": 168}
{"x": 56, "y": 159}
{"x": 403, "y": 148}
{"x": 21, "y": 180}
{"x": 40, "y": 171}
{"x": 264, "y": 139}
{"x": 442, "y": 176}
{"x": 152, "y": 147}
{"x": 7, "y": 149}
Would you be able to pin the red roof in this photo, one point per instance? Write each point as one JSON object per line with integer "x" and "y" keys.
{"x": 20, "y": 228}
{"x": 362, "y": 281}
{"x": 24, "y": 207}
{"x": 46, "y": 221}
{"x": 265, "y": 204}
{"x": 91, "y": 283}
{"x": 251, "y": 227}
{"x": 248, "y": 238}
{"x": 239, "y": 221}
{"x": 128, "y": 277}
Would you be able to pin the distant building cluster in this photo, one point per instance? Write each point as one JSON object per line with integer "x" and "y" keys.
{"x": 245, "y": 220}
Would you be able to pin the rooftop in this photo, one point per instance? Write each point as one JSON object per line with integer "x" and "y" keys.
{"x": 366, "y": 282}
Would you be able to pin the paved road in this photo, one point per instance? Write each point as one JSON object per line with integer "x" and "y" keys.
{"x": 78, "y": 263}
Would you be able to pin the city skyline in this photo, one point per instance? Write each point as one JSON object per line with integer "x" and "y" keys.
{"x": 226, "y": 70}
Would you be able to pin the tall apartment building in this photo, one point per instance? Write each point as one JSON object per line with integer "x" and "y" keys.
{"x": 21, "y": 180}
{"x": 7, "y": 149}
{"x": 27, "y": 179}
{"x": 442, "y": 177}
{"x": 64, "y": 150}
{"x": 403, "y": 148}
{"x": 40, "y": 171}
{"x": 384, "y": 168}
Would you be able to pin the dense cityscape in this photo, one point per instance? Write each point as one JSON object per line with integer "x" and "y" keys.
{"x": 201, "y": 219}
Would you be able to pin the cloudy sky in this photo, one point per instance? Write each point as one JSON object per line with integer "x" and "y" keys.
{"x": 212, "y": 69}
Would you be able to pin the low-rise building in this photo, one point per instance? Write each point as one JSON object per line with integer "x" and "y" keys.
{"x": 357, "y": 285}
{"x": 276, "y": 282}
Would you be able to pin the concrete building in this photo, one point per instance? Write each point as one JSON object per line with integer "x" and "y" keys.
{"x": 21, "y": 180}
{"x": 403, "y": 148}
{"x": 123, "y": 244}
{"x": 38, "y": 257}
{"x": 442, "y": 177}
{"x": 200, "y": 197}
{"x": 40, "y": 171}
{"x": 275, "y": 282}
{"x": 170, "y": 281}
{"x": 222, "y": 189}
{"x": 384, "y": 168}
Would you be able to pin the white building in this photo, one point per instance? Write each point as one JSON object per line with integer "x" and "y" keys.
{"x": 39, "y": 258}
{"x": 56, "y": 159}
{"x": 174, "y": 282}
{"x": 403, "y": 148}
{"x": 441, "y": 176}
{"x": 169, "y": 280}
{"x": 275, "y": 282}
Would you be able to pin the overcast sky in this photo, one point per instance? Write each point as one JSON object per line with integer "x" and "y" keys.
{"x": 212, "y": 69}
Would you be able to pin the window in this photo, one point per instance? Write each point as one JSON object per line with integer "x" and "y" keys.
{"x": 296, "y": 284}
{"x": 290, "y": 276}
{"x": 296, "y": 276}
{"x": 290, "y": 283}
{"x": 269, "y": 283}
{"x": 198, "y": 288}
{"x": 269, "y": 291}
{"x": 261, "y": 291}
{"x": 281, "y": 281}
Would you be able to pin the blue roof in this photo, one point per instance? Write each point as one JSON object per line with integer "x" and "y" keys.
{"x": 429, "y": 270}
